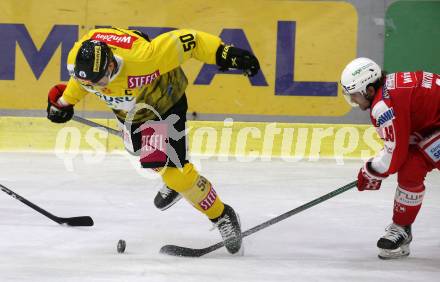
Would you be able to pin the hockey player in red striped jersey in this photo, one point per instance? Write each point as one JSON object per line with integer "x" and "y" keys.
{"x": 405, "y": 109}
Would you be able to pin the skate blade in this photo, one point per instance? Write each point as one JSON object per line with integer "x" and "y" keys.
{"x": 401, "y": 252}
{"x": 240, "y": 252}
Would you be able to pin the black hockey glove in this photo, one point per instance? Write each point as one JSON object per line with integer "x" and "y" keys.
{"x": 231, "y": 57}
{"x": 59, "y": 115}
{"x": 56, "y": 112}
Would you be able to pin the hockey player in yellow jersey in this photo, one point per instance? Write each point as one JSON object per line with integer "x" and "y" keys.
{"x": 142, "y": 82}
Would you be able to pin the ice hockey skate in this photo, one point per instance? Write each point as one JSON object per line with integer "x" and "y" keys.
{"x": 166, "y": 197}
{"x": 395, "y": 243}
{"x": 229, "y": 226}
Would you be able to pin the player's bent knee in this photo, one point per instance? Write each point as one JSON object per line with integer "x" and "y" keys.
{"x": 180, "y": 179}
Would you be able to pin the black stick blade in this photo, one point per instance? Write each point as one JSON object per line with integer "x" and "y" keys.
{"x": 77, "y": 221}
{"x": 178, "y": 251}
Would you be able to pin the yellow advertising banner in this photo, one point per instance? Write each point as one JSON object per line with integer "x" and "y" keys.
{"x": 302, "y": 47}
{"x": 245, "y": 141}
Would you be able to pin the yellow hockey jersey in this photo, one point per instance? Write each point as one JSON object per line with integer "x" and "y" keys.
{"x": 148, "y": 71}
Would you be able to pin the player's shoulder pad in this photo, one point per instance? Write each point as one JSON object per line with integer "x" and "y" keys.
{"x": 116, "y": 38}
{"x": 382, "y": 113}
{"x": 401, "y": 80}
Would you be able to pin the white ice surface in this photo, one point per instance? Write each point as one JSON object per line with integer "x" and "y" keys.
{"x": 333, "y": 241}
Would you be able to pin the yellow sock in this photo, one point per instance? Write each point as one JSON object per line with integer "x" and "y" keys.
{"x": 195, "y": 188}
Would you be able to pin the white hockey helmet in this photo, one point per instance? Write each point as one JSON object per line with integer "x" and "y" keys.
{"x": 358, "y": 74}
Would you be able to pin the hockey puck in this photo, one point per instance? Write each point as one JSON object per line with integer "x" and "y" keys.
{"x": 121, "y": 246}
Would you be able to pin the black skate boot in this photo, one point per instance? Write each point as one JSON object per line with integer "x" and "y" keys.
{"x": 395, "y": 243}
{"x": 166, "y": 197}
{"x": 229, "y": 226}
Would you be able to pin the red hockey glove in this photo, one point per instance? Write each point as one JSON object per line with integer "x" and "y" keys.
{"x": 57, "y": 112}
{"x": 368, "y": 179}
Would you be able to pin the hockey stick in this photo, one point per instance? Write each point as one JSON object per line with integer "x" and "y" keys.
{"x": 174, "y": 250}
{"x": 71, "y": 221}
{"x": 96, "y": 125}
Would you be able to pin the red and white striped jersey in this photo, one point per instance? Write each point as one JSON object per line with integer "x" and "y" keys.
{"x": 407, "y": 106}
